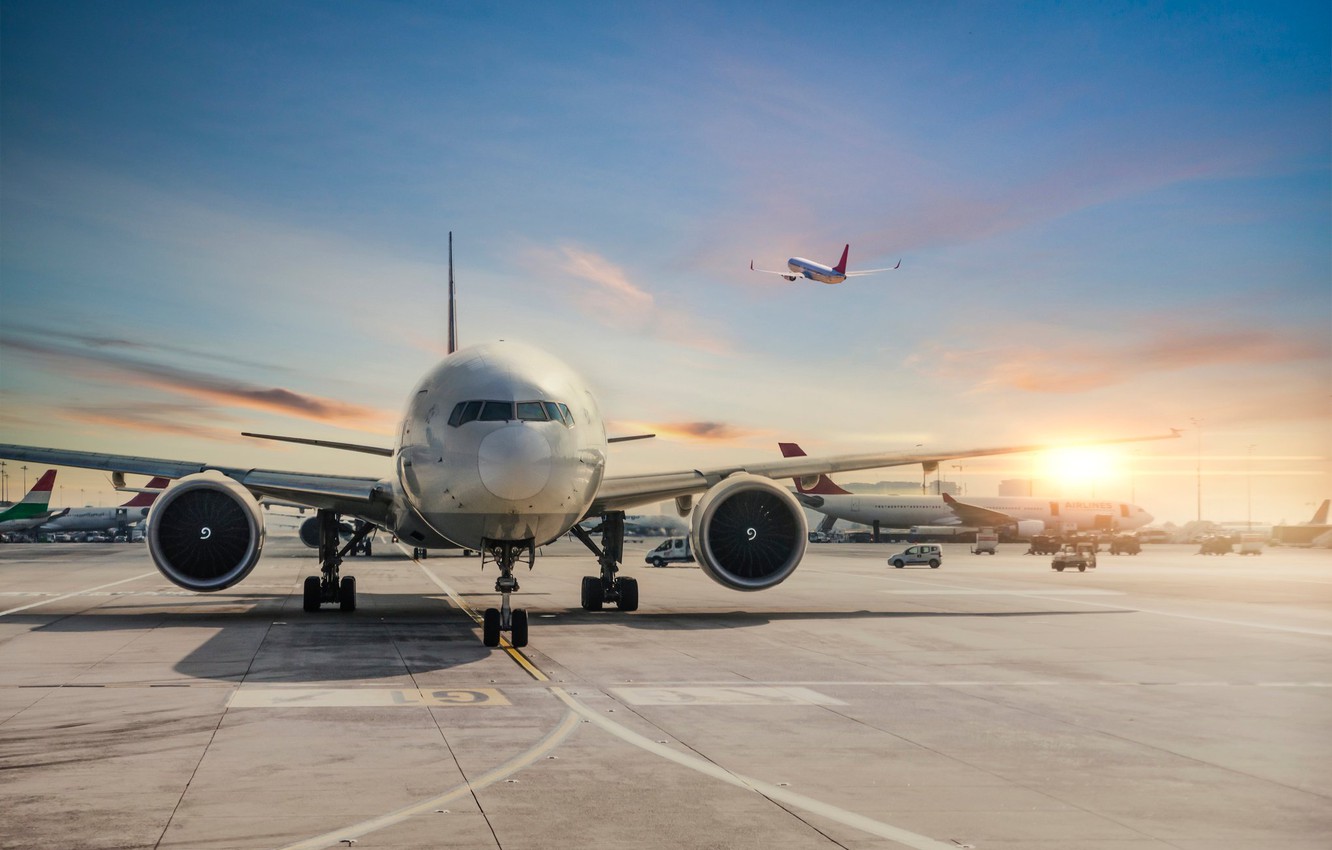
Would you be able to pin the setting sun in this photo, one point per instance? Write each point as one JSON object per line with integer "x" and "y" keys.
{"x": 1081, "y": 467}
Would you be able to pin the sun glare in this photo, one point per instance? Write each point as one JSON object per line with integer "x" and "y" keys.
{"x": 1082, "y": 467}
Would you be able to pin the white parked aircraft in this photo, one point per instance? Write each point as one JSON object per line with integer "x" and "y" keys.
{"x": 501, "y": 449}
{"x": 1025, "y": 515}
{"x": 108, "y": 519}
{"x": 800, "y": 267}
{"x": 31, "y": 511}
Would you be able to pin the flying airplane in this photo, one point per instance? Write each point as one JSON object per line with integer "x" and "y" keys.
{"x": 800, "y": 267}
{"x": 1025, "y": 515}
{"x": 501, "y": 449}
{"x": 31, "y": 511}
{"x": 108, "y": 519}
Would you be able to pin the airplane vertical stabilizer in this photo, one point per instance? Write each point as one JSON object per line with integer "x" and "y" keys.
{"x": 824, "y": 486}
{"x": 840, "y": 268}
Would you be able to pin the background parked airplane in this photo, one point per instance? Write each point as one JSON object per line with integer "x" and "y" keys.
{"x": 1024, "y": 515}
{"x": 108, "y": 519}
{"x": 800, "y": 267}
{"x": 31, "y": 511}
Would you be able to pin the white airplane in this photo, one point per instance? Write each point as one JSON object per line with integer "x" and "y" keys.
{"x": 1025, "y": 515}
{"x": 501, "y": 449}
{"x": 108, "y": 519}
{"x": 800, "y": 267}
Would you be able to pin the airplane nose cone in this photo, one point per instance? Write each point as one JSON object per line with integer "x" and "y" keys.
{"x": 514, "y": 462}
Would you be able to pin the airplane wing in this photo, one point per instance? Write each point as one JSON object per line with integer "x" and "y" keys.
{"x": 788, "y": 273}
{"x": 976, "y": 515}
{"x": 363, "y": 498}
{"x": 620, "y": 492}
{"x": 860, "y": 272}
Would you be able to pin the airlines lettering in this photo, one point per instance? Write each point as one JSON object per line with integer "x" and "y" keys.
{"x": 1089, "y": 506}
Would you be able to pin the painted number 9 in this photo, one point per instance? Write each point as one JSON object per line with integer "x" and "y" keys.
{"x": 752, "y": 534}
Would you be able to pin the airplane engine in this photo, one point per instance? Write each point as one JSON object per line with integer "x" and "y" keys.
{"x": 749, "y": 533}
{"x": 310, "y": 531}
{"x": 206, "y": 532}
{"x": 1027, "y": 527}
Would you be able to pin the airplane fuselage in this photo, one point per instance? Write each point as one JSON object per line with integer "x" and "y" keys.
{"x": 500, "y": 442}
{"x": 94, "y": 519}
{"x": 814, "y": 271}
{"x": 909, "y": 511}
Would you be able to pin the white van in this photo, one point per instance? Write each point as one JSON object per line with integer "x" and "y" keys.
{"x": 673, "y": 550}
{"x": 921, "y": 553}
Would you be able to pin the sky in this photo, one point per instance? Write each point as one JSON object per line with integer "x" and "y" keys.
{"x": 1113, "y": 219}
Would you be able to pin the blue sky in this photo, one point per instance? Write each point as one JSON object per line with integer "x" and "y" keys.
{"x": 1112, "y": 219}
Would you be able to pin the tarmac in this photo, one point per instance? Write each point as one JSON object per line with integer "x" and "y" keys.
{"x": 1164, "y": 700}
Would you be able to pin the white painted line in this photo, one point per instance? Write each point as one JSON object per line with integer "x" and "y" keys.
{"x": 966, "y": 591}
{"x": 724, "y": 695}
{"x": 74, "y": 594}
{"x": 772, "y": 792}
{"x": 261, "y": 696}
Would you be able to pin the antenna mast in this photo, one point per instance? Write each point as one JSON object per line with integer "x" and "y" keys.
{"x": 453, "y": 310}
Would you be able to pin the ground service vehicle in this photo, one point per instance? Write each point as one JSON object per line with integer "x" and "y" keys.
{"x": 1125, "y": 544}
{"x": 922, "y": 553}
{"x": 987, "y": 542}
{"x": 1215, "y": 544}
{"x": 673, "y": 550}
{"x": 1251, "y": 544}
{"x": 1079, "y": 555}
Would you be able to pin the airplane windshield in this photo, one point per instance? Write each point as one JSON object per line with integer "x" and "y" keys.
{"x": 505, "y": 411}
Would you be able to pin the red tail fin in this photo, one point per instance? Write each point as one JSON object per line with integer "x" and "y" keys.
{"x": 840, "y": 268}
{"x": 824, "y": 486}
{"x": 46, "y": 483}
{"x": 144, "y": 500}
{"x": 1320, "y": 515}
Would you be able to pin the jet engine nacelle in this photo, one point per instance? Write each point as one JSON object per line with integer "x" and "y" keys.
{"x": 1027, "y": 527}
{"x": 206, "y": 532}
{"x": 749, "y": 533}
{"x": 310, "y": 531}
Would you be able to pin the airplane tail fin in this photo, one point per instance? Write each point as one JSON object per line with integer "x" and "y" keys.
{"x": 41, "y": 491}
{"x": 840, "y": 268}
{"x": 145, "y": 500}
{"x": 453, "y": 308}
{"x": 823, "y": 486}
{"x": 1320, "y": 515}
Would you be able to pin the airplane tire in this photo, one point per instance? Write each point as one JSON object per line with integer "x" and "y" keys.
{"x": 347, "y": 593}
{"x": 518, "y": 633}
{"x": 311, "y": 593}
{"x": 628, "y": 600}
{"x": 593, "y": 597}
{"x": 490, "y": 627}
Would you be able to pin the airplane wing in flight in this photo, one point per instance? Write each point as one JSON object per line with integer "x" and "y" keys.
{"x": 874, "y": 271}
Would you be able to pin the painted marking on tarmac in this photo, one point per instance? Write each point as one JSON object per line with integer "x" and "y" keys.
{"x": 259, "y": 696}
{"x": 513, "y": 651}
{"x": 726, "y": 695}
{"x": 779, "y": 795}
{"x": 356, "y": 831}
{"x": 86, "y": 592}
{"x": 966, "y": 591}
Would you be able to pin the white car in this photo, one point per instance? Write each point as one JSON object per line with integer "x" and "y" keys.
{"x": 922, "y": 553}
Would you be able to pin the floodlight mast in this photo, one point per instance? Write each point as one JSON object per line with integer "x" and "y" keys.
{"x": 453, "y": 310}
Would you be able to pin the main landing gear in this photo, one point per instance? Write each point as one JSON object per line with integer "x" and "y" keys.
{"x": 506, "y": 554}
{"x": 328, "y": 586}
{"x": 607, "y": 587}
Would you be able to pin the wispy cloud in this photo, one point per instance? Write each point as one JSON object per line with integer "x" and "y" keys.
{"x": 700, "y": 432}
{"x": 171, "y": 419}
{"x": 1067, "y": 364}
{"x": 112, "y": 365}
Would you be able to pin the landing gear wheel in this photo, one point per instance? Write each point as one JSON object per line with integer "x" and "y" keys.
{"x": 628, "y": 600}
{"x": 518, "y": 631}
{"x": 312, "y": 593}
{"x": 490, "y": 627}
{"x": 934, "y": 563}
{"x": 347, "y": 593}
{"x": 593, "y": 596}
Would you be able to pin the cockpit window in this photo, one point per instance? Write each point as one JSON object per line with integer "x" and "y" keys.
{"x": 505, "y": 411}
{"x": 531, "y": 411}
{"x": 496, "y": 411}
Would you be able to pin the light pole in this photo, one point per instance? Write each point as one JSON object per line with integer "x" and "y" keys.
{"x": 4, "y": 493}
{"x": 24, "y": 467}
{"x": 962, "y": 486}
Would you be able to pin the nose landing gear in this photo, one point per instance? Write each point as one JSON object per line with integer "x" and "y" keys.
{"x": 506, "y": 553}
